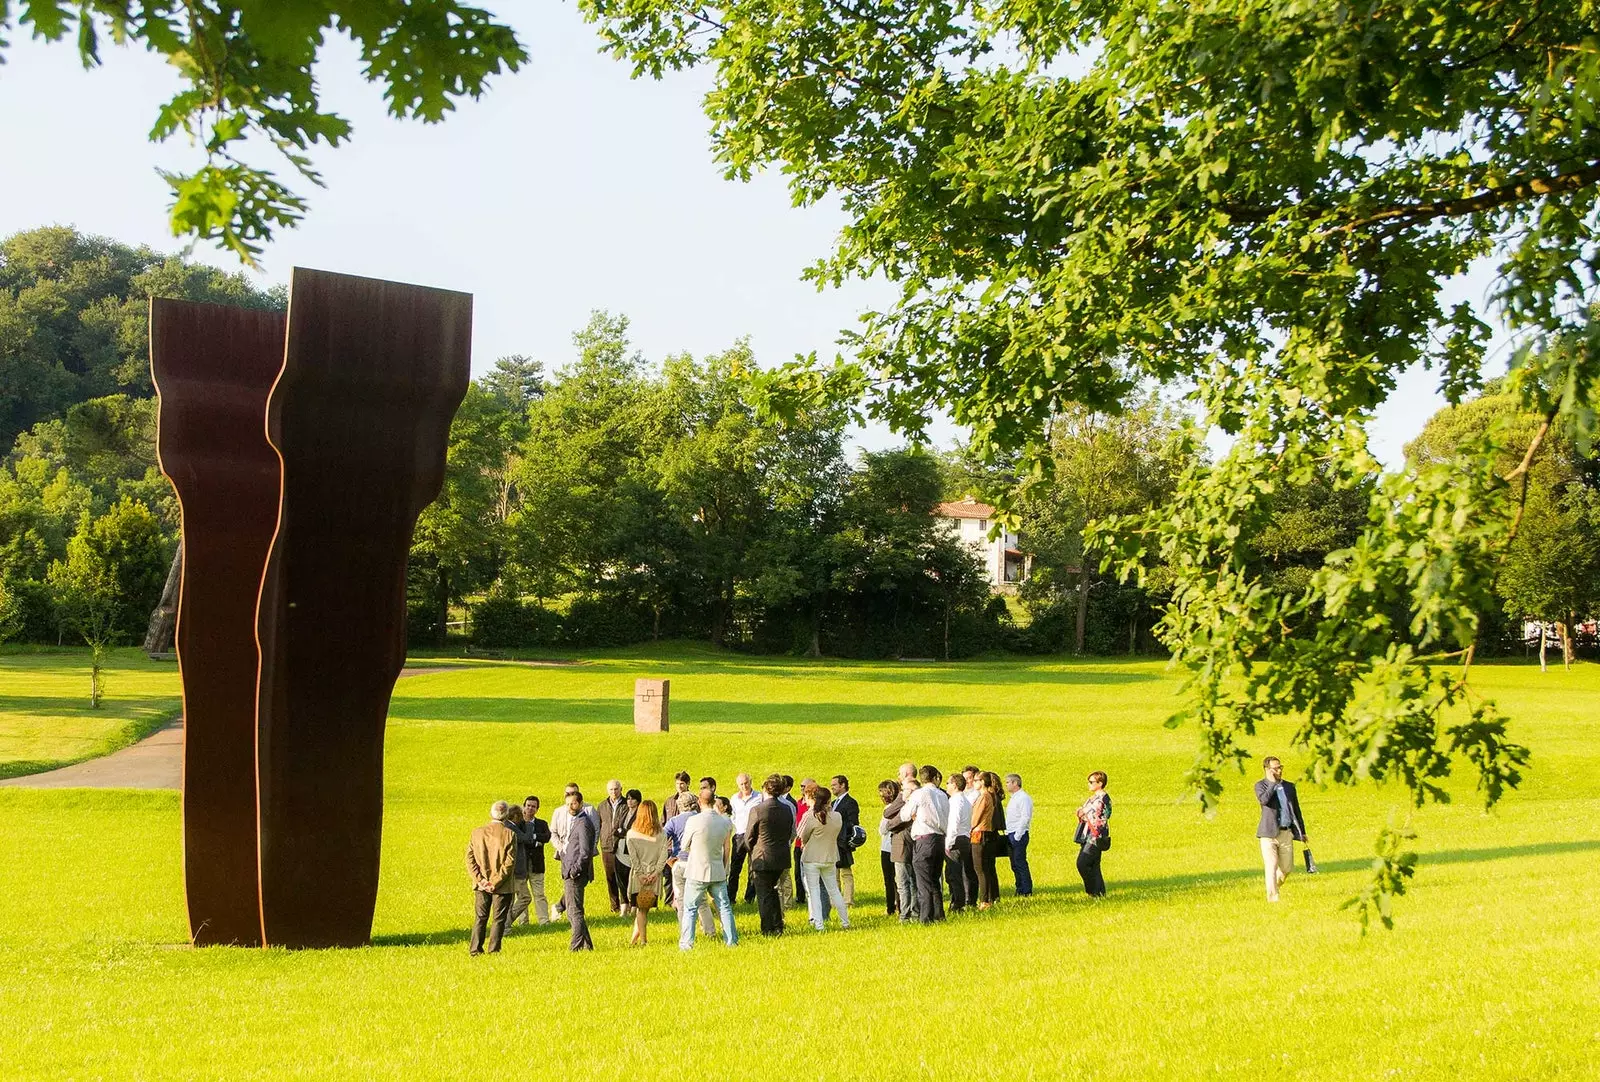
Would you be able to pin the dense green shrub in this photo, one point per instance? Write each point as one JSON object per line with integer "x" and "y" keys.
{"x": 506, "y": 622}
{"x": 600, "y": 620}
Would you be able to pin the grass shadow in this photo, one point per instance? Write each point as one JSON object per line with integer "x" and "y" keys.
{"x": 1202, "y": 880}
{"x": 684, "y": 712}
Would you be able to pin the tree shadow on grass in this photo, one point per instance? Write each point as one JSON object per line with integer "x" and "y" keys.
{"x": 620, "y": 712}
{"x": 445, "y": 937}
{"x": 1037, "y": 670}
{"x": 1173, "y": 884}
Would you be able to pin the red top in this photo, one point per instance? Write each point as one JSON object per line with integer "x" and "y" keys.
{"x": 800, "y": 814}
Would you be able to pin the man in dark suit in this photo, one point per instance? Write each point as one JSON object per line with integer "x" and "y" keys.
{"x": 612, "y": 809}
{"x": 770, "y": 840}
{"x": 1281, "y": 824}
{"x": 850, "y": 821}
{"x": 577, "y": 869}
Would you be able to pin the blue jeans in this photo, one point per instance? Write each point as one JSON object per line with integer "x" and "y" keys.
{"x": 694, "y": 896}
{"x": 1019, "y": 865}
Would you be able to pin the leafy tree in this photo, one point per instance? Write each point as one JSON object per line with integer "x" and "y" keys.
{"x": 248, "y": 70}
{"x": 710, "y": 467}
{"x": 1551, "y": 570}
{"x": 516, "y": 380}
{"x": 899, "y": 576}
{"x": 110, "y": 579}
{"x": 12, "y": 619}
{"x": 1100, "y": 464}
{"x": 455, "y": 546}
{"x": 74, "y": 313}
{"x": 1308, "y": 522}
{"x": 797, "y": 560}
{"x": 1263, "y": 200}
{"x": 108, "y": 445}
{"x": 577, "y": 465}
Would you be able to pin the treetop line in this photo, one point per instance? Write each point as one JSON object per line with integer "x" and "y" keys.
{"x": 1261, "y": 201}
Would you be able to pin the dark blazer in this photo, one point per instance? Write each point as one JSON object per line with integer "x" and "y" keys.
{"x": 850, "y": 812}
{"x": 899, "y": 833}
{"x": 1267, "y": 797}
{"x": 608, "y": 823}
{"x": 577, "y": 863}
{"x": 531, "y": 839}
{"x": 770, "y": 836}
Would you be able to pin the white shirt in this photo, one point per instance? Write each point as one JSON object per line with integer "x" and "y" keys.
{"x": 742, "y": 806}
{"x": 926, "y": 811}
{"x": 1019, "y": 813}
{"x": 884, "y": 845}
{"x": 960, "y": 823}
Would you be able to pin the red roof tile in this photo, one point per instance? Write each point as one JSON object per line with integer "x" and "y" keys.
{"x": 964, "y": 509}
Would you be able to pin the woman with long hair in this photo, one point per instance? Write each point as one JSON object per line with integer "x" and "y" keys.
{"x": 988, "y": 837}
{"x": 819, "y": 856}
{"x": 1093, "y": 836}
{"x": 647, "y": 850}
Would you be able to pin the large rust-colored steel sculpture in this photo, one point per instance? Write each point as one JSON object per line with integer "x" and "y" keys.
{"x": 298, "y": 508}
{"x": 373, "y": 373}
{"x": 213, "y": 366}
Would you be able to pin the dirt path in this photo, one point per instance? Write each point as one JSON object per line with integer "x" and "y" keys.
{"x": 156, "y": 762}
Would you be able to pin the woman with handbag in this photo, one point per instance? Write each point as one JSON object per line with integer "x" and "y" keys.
{"x": 988, "y": 836}
{"x": 647, "y": 852}
{"x": 1093, "y": 836}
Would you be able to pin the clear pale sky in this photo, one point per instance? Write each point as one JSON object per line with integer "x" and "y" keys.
{"x": 569, "y": 187}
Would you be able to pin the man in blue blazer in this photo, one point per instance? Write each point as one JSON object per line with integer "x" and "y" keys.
{"x": 1281, "y": 824}
{"x": 577, "y": 869}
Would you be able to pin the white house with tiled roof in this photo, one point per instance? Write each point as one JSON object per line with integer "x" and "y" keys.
{"x": 970, "y": 521}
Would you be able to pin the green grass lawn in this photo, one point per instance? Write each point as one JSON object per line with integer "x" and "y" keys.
{"x": 1183, "y": 972}
{"x": 45, "y": 719}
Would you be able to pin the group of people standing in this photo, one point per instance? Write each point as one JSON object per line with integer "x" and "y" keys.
{"x": 935, "y": 835}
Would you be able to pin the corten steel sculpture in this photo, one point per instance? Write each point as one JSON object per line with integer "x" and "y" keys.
{"x": 373, "y": 373}
{"x": 311, "y": 538}
{"x": 213, "y": 366}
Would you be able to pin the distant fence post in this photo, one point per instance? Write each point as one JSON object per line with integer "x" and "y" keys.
{"x": 650, "y": 705}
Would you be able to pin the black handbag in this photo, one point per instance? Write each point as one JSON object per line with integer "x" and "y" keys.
{"x": 1311, "y": 865}
{"x": 1103, "y": 842}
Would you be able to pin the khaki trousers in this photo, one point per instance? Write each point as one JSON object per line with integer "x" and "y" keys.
{"x": 1277, "y": 860}
{"x": 530, "y": 891}
{"x": 847, "y": 884}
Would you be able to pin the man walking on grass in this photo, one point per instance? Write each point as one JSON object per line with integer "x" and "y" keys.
{"x": 1281, "y": 824}
{"x": 492, "y": 867}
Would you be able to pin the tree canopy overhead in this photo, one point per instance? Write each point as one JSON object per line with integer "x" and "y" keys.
{"x": 247, "y": 67}
{"x": 1262, "y": 199}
